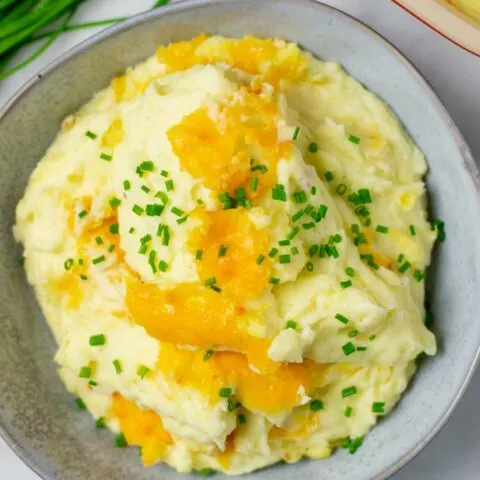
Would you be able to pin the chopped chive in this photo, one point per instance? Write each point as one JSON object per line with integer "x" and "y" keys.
{"x": 85, "y": 372}
{"x": 177, "y": 211}
{"x": 313, "y": 250}
{"x": 349, "y": 391}
{"x": 260, "y": 168}
{"x": 308, "y": 226}
{"x": 240, "y": 194}
{"x": 300, "y": 197}
{"x": 198, "y": 255}
{"x": 93, "y": 383}
{"x": 418, "y": 275}
{"x": 100, "y": 423}
{"x": 200, "y": 201}
{"x": 295, "y": 251}
{"x": 273, "y": 252}
{"x": 210, "y": 281}
{"x": 98, "y": 260}
{"x": 341, "y": 189}
{"x": 91, "y": 135}
{"x": 341, "y": 318}
{"x": 361, "y": 349}
{"x": 254, "y": 184}
{"x": 143, "y": 249}
{"x": 260, "y": 259}
{"x": 151, "y": 260}
{"x": 164, "y": 173}
{"x": 378, "y": 407}
{"x": 439, "y": 227}
{"x": 404, "y": 267}
{"x": 82, "y": 214}
{"x": 163, "y": 197}
{"x": 97, "y": 340}
{"x": 137, "y": 209}
{"x": 127, "y": 185}
{"x": 142, "y": 370}
{"x": 309, "y": 267}
{"x": 293, "y": 233}
{"x": 163, "y": 266}
{"x": 83, "y": 277}
{"x": 295, "y": 133}
{"x": 350, "y": 271}
{"x": 131, "y": 230}
{"x": 313, "y": 148}
{"x": 372, "y": 337}
{"x": 353, "y": 333}
{"x": 147, "y": 166}
{"x": 146, "y": 238}
{"x": 354, "y": 139}
{"x": 381, "y": 229}
{"x": 284, "y": 259}
{"x": 400, "y": 258}
{"x": 329, "y": 176}
{"x": 225, "y": 392}
{"x": 80, "y": 403}
{"x": 316, "y": 405}
{"x": 208, "y": 354}
{"x": 348, "y": 411}
{"x": 346, "y": 284}
{"x": 291, "y": 324}
{"x": 107, "y": 158}
{"x": 274, "y": 281}
{"x": 309, "y": 208}
{"x": 284, "y": 243}
{"x": 166, "y": 236}
{"x": 313, "y": 190}
{"x": 298, "y": 215}
{"x": 242, "y": 419}
{"x": 413, "y": 232}
{"x": 182, "y": 220}
{"x": 68, "y": 264}
{"x": 154, "y": 210}
{"x": 322, "y": 211}
{"x": 222, "y": 251}
{"x": 117, "y": 365}
{"x": 115, "y": 202}
{"x": 279, "y": 194}
{"x": 145, "y": 189}
{"x": 169, "y": 185}
{"x": 120, "y": 441}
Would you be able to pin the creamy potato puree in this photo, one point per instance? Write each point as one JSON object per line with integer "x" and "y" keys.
{"x": 471, "y": 8}
{"x": 229, "y": 244}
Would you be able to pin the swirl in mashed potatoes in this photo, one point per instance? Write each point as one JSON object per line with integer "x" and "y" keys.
{"x": 229, "y": 244}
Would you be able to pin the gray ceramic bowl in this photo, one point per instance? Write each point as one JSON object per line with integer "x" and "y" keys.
{"x": 38, "y": 418}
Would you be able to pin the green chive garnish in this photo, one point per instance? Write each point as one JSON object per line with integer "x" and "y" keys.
{"x": 242, "y": 419}
{"x": 354, "y": 139}
{"x": 404, "y": 267}
{"x": 198, "y": 255}
{"x": 295, "y": 133}
{"x": 341, "y": 318}
{"x": 349, "y": 391}
{"x": 279, "y": 194}
{"x": 154, "y": 210}
{"x": 208, "y": 355}
{"x": 177, "y": 211}
{"x": 348, "y": 348}
{"x": 254, "y": 184}
{"x": 353, "y": 333}
{"x": 329, "y": 176}
{"x": 164, "y": 173}
{"x": 418, "y": 275}
{"x": 145, "y": 189}
{"x": 85, "y": 372}
{"x": 313, "y": 148}
{"x": 68, "y": 263}
{"x": 274, "y": 281}
{"x": 300, "y": 197}
{"x": 82, "y": 214}
{"x": 90, "y": 135}
{"x": 350, "y": 271}
{"x": 127, "y": 185}
{"x": 222, "y": 251}
{"x": 273, "y": 252}
{"x": 137, "y": 209}
{"x": 260, "y": 259}
{"x": 309, "y": 267}
{"x": 80, "y": 403}
{"x": 115, "y": 202}
{"x": 348, "y": 411}
{"x": 107, "y": 158}
{"x": 381, "y": 229}
{"x": 120, "y": 441}
{"x": 163, "y": 266}
{"x": 341, "y": 189}
{"x": 98, "y": 260}
{"x": 97, "y": 340}
{"x": 291, "y": 324}
{"x": 378, "y": 407}
{"x": 142, "y": 370}
{"x": 114, "y": 228}
{"x": 169, "y": 185}
{"x": 316, "y": 405}
{"x": 117, "y": 365}
{"x": 225, "y": 392}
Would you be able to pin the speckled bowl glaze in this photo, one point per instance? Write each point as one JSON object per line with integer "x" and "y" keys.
{"x": 37, "y": 416}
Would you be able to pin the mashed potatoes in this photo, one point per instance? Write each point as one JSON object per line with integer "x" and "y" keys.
{"x": 471, "y": 8}
{"x": 229, "y": 244}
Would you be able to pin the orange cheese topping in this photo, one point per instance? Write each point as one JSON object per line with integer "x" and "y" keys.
{"x": 235, "y": 270}
{"x": 257, "y": 56}
{"x": 194, "y": 315}
{"x": 221, "y": 157}
{"x": 141, "y": 427}
{"x": 270, "y": 393}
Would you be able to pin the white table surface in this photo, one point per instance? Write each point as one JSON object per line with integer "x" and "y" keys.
{"x": 455, "y": 453}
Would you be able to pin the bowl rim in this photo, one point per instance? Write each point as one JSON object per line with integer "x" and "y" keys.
{"x": 182, "y": 5}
